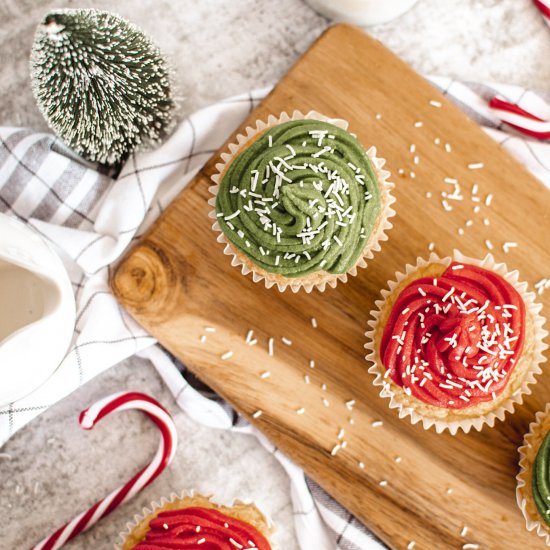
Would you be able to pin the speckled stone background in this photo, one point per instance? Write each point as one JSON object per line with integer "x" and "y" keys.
{"x": 52, "y": 469}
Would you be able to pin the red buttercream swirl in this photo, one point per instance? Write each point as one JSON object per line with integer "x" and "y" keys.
{"x": 201, "y": 529}
{"x": 453, "y": 341}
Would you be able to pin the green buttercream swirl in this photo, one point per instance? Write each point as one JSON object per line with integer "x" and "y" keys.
{"x": 541, "y": 480}
{"x": 301, "y": 198}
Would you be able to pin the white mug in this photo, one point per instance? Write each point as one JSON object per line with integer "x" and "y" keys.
{"x": 362, "y": 12}
{"x": 37, "y": 310}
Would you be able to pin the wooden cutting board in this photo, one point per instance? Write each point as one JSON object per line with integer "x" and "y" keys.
{"x": 177, "y": 282}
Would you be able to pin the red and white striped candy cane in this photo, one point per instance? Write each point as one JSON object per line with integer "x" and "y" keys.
{"x": 88, "y": 418}
{"x": 544, "y": 7}
{"x": 522, "y": 120}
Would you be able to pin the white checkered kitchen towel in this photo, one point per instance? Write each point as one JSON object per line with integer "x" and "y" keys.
{"x": 92, "y": 219}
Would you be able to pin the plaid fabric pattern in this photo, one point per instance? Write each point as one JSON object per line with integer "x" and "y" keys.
{"x": 91, "y": 218}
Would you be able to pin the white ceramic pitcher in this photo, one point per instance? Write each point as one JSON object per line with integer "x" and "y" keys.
{"x": 37, "y": 310}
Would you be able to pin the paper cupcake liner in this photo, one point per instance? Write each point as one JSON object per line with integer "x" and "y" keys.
{"x": 319, "y": 279}
{"x": 532, "y": 310}
{"x": 527, "y": 454}
{"x": 155, "y": 505}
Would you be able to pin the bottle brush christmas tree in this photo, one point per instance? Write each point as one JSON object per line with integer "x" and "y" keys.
{"x": 101, "y": 84}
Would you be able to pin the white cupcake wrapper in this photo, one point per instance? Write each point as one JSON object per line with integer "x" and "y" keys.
{"x": 532, "y": 309}
{"x": 523, "y": 490}
{"x": 155, "y": 505}
{"x": 295, "y": 284}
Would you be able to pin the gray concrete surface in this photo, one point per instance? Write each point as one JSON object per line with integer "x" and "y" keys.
{"x": 217, "y": 48}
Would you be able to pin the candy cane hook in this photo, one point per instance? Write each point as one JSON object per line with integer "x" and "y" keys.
{"x": 88, "y": 419}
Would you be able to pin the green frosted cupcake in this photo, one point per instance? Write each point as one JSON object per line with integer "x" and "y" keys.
{"x": 533, "y": 489}
{"x": 299, "y": 203}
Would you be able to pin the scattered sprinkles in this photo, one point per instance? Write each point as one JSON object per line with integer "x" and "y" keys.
{"x": 435, "y": 103}
{"x": 227, "y": 355}
{"x": 257, "y": 414}
{"x": 377, "y": 423}
{"x": 506, "y": 246}
{"x": 542, "y": 285}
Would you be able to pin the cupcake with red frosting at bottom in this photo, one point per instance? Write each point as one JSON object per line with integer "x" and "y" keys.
{"x": 193, "y": 522}
{"x": 455, "y": 342}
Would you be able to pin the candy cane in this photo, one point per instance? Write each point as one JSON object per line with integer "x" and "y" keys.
{"x": 88, "y": 418}
{"x": 520, "y": 119}
{"x": 544, "y": 7}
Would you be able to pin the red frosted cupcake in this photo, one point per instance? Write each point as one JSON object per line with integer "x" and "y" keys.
{"x": 193, "y": 522}
{"x": 455, "y": 342}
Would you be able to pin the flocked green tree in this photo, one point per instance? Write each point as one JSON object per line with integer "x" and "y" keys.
{"x": 101, "y": 84}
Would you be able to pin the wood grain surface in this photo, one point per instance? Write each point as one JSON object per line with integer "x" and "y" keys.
{"x": 177, "y": 281}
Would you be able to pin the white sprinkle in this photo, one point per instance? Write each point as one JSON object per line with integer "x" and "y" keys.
{"x": 416, "y": 159}
{"x": 448, "y": 147}
{"x": 428, "y": 195}
{"x": 506, "y": 246}
{"x": 226, "y": 525}
{"x": 398, "y": 459}
{"x": 418, "y": 124}
{"x": 326, "y": 403}
{"x": 431, "y": 247}
{"x": 235, "y": 543}
{"x": 489, "y": 244}
{"x": 270, "y": 347}
{"x": 449, "y": 491}
{"x": 377, "y": 423}
{"x": 458, "y": 266}
{"x": 314, "y": 322}
{"x": 227, "y": 355}
{"x": 301, "y": 411}
{"x": 231, "y": 216}
{"x": 412, "y": 148}
{"x": 335, "y": 449}
{"x": 452, "y": 181}
{"x": 470, "y": 546}
{"x": 362, "y": 465}
{"x": 464, "y": 531}
{"x": 350, "y": 404}
{"x": 306, "y": 379}
{"x": 311, "y": 364}
{"x": 383, "y": 483}
{"x": 270, "y": 140}
{"x": 488, "y": 199}
{"x": 257, "y": 414}
{"x": 202, "y": 338}
{"x": 265, "y": 374}
{"x": 411, "y": 545}
{"x": 203, "y": 540}
{"x": 486, "y": 221}
{"x": 460, "y": 231}
{"x": 412, "y": 175}
{"x": 209, "y": 329}
{"x": 437, "y": 141}
{"x": 286, "y": 341}
{"x": 378, "y": 116}
{"x": 475, "y": 166}
{"x": 249, "y": 335}
{"x": 435, "y": 103}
